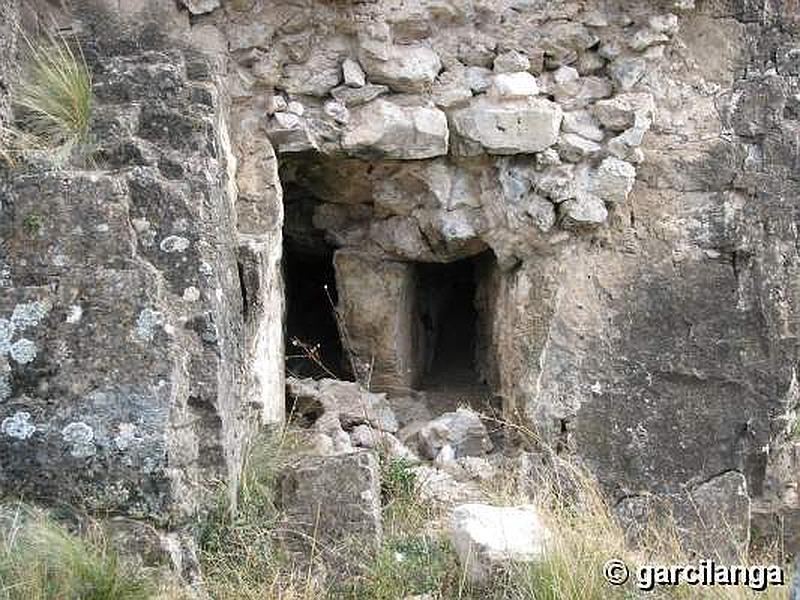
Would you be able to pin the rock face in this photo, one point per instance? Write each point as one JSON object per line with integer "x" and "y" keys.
{"x": 628, "y": 222}
{"x": 127, "y": 320}
{"x": 9, "y": 17}
{"x": 490, "y": 538}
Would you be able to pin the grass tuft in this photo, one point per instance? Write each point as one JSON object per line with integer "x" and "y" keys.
{"x": 52, "y": 100}
{"x": 41, "y": 560}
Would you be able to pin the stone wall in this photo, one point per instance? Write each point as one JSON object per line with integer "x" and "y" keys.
{"x": 630, "y": 165}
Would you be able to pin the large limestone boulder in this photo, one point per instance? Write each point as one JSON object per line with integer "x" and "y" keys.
{"x": 490, "y": 538}
{"x": 505, "y": 126}
{"x": 386, "y": 129}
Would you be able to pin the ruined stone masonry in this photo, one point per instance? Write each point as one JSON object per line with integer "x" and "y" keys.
{"x": 584, "y": 209}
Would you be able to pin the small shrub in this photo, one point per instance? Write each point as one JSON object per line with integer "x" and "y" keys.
{"x": 41, "y": 560}
{"x": 32, "y": 224}
{"x": 398, "y": 480}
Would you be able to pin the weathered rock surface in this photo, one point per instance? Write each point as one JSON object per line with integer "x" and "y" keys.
{"x": 383, "y": 129}
{"x": 332, "y": 504}
{"x": 506, "y": 126}
{"x": 462, "y": 432}
{"x": 490, "y": 538}
{"x": 123, "y": 301}
{"x": 637, "y": 306}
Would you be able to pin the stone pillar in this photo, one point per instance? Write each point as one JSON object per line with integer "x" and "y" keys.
{"x": 382, "y": 330}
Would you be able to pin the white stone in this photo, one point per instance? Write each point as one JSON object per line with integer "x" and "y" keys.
{"x": 489, "y": 538}
{"x": 353, "y": 74}
{"x": 584, "y": 124}
{"x": 200, "y": 7}
{"x": 337, "y": 111}
{"x": 462, "y": 430}
{"x": 276, "y": 103}
{"x": 667, "y": 23}
{"x": 613, "y": 180}
{"x": 507, "y": 126}
{"x": 574, "y": 148}
{"x": 511, "y": 61}
{"x": 296, "y": 108}
{"x": 565, "y": 74}
{"x": 287, "y": 120}
{"x": 514, "y": 85}
{"x": 407, "y": 68}
{"x": 584, "y": 210}
{"x": 479, "y": 79}
{"x": 384, "y": 129}
{"x": 18, "y": 426}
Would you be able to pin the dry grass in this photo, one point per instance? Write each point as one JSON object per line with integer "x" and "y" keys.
{"x": 41, "y": 560}
{"x": 52, "y": 100}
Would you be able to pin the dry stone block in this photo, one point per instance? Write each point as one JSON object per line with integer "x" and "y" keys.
{"x": 506, "y": 126}
{"x": 333, "y": 503}
{"x": 384, "y": 129}
{"x": 488, "y": 539}
{"x": 407, "y": 68}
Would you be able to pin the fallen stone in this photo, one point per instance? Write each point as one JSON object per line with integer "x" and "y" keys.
{"x": 384, "y": 443}
{"x": 506, "y": 126}
{"x": 462, "y": 430}
{"x": 346, "y": 400}
{"x": 514, "y": 85}
{"x": 332, "y": 502}
{"x": 383, "y": 129}
{"x": 489, "y": 539}
{"x": 436, "y": 486}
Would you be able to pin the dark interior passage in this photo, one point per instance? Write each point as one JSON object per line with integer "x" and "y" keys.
{"x": 313, "y": 344}
{"x": 446, "y": 303}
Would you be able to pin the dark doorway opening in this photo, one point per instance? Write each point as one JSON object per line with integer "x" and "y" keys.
{"x": 313, "y": 344}
{"x": 446, "y": 297}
